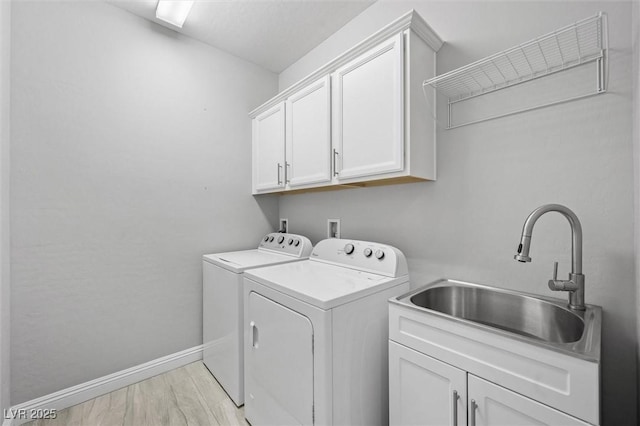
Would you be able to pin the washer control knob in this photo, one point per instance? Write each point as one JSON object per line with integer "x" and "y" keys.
{"x": 296, "y": 243}
{"x": 368, "y": 252}
{"x": 280, "y": 239}
{"x": 349, "y": 248}
{"x": 266, "y": 238}
{"x": 271, "y": 238}
{"x": 379, "y": 254}
{"x": 290, "y": 241}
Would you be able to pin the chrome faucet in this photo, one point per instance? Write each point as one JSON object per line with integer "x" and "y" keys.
{"x": 575, "y": 284}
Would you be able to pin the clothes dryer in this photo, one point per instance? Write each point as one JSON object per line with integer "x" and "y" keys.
{"x": 222, "y": 307}
{"x": 316, "y": 335}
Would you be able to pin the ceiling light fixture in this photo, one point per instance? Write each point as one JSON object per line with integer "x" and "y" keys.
{"x": 173, "y": 12}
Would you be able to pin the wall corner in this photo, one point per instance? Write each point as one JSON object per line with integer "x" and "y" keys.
{"x": 635, "y": 111}
{"x": 5, "y": 289}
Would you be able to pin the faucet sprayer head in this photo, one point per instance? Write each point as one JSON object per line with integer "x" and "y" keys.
{"x": 523, "y": 249}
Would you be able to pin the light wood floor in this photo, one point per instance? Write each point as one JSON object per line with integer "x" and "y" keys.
{"x": 185, "y": 396}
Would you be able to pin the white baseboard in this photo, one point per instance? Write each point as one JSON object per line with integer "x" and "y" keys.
{"x": 65, "y": 398}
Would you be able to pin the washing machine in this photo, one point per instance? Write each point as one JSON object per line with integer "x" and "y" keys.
{"x": 316, "y": 335}
{"x": 223, "y": 312}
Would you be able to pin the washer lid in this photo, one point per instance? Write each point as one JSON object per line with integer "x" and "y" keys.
{"x": 322, "y": 285}
{"x": 239, "y": 261}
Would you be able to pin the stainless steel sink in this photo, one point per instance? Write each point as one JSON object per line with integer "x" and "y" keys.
{"x": 518, "y": 314}
{"x": 539, "y": 320}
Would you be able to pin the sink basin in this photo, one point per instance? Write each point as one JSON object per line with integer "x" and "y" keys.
{"x": 543, "y": 321}
{"x": 515, "y": 313}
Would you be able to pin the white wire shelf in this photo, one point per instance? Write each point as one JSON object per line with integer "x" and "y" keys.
{"x": 576, "y": 44}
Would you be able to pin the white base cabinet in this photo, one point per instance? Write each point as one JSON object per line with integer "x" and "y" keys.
{"x": 566, "y": 382}
{"x": 429, "y": 392}
{"x": 363, "y": 119}
{"x": 423, "y": 390}
{"x": 493, "y": 405}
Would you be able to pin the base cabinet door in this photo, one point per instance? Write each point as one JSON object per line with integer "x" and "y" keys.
{"x": 423, "y": 390}
{"x": 492, "y": 405}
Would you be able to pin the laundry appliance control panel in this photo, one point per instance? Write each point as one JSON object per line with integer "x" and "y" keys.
{"x": 291, "y": 244}
{"x": 362, "y": 255}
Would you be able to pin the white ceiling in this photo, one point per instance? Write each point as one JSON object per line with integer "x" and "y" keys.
{"x": 271, "y": 33}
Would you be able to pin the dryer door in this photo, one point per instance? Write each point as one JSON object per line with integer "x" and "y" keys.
{"x": 279, "y": 365}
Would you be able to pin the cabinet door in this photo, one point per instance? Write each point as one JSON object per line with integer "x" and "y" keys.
{"x": 423, "y": 390}
{"x": 308, "y": 135}
{"x": 279, "y": 364}
{"x": 368, "y": 120}
{"x": 492, "y": 405}
{"x": 268, "y": 149}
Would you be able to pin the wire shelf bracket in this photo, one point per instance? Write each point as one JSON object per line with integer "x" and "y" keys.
{"x": 577, "y": 44}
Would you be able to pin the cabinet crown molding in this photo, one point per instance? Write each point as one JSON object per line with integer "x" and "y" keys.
{"x": 410, "y": 20}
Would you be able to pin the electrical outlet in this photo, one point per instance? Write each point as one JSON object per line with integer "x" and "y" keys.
{"x": 333, "y": 228}
{"x": 284, "y": 225}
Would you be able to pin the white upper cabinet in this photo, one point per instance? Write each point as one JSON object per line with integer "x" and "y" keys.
{"x": 362, "y": 119}
{"x": 368, "y": 112}
{"x": 308, "y": 136}
{"x": 268, "y": 150}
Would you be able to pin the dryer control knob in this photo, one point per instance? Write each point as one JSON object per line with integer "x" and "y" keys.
{"x": 270, "y": 238}
{"x": 296, "y": 243}
{"x": 368, "y": 252}
{"x": 349, "y": 248}
{"x": 379, "y": 254}
{"x": 290, "y": 241}
{"x": 280, "y": 239}
{"x": 266, "y": 238}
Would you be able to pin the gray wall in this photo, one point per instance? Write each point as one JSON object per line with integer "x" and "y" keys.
{"x": 130, "y": 159}
{"x": 492, "y": 175}
{"x": 636, "y": 146}
{"x": 5, "y": 289}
